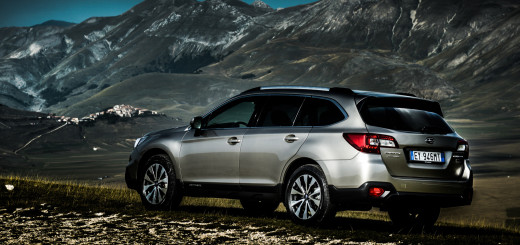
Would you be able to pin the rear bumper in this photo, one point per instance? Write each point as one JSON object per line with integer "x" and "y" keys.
{"x": 359, "y": 198}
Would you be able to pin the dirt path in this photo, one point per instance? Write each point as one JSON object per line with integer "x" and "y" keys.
{"x": 37, "y": 137}
{"x": 45, "y": 225}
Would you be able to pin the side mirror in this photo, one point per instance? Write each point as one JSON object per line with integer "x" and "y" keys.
{"x": 196, "y": 123}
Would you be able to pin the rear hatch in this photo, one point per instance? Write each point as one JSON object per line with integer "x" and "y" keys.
{"x": 426, "y": 146}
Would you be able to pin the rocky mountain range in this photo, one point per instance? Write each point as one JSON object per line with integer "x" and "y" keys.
{"x": 179, "y": 56}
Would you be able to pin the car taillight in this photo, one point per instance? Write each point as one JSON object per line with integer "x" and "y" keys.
{"x": 370, "y": 143}
{"x": 376, "y": 191}
{"x": 463, "y": 146}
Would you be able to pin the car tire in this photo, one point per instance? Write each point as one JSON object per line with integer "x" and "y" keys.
{"x": 413, "y": 219}
{"x": 159, "y": 189}
{"x": 259, "y": 207}
{"x": 307, "y": 197}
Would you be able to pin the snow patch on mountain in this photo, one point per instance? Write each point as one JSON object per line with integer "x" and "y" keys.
{"x": 91, "y": 20}
{"x": 218, "y": 5}
{"x": 37, "y": 102}
{"x": 199, "y": 44}
{"x": 24, "y": 85}
{"x": 99, "y": 50}
{"x": 261, "y": 4}
{"x": 36, "y": 47}
{"x": 33, "y": 49}
{"x": 96, "y": 35}
{"x": 461, "y": 58}
{"x": 158, "y": 24}
{"x": 64, "y": 72}
{"x": 415, "y": 22}
{"x": 70, "y": 44}
{"x": 235, "y": 36}
{"x": 127, "y": 34}
{"x": 19, "y": 82}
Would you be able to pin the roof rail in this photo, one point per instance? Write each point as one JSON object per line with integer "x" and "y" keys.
{"x": 287, "y": 87}
{"x": 334, "y": 89}
{"x": 295, "y": 87}
{"x": 407, "y": 94}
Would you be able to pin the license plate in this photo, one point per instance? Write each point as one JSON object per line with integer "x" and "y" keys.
{"x": 426, "y": 156}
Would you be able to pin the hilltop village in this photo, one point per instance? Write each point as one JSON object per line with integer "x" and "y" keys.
{"x": 117, "y": 111}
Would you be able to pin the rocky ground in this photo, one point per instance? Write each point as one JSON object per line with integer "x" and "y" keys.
{"x": 45, "y": 224}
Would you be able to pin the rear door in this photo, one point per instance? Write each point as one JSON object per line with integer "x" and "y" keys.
{"x": 268, "y": 146}
{"x": 427, "y": 145}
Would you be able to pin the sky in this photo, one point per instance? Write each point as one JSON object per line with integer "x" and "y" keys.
{"x": 33, "y": 12}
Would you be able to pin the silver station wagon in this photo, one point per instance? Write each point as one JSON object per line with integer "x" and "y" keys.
{"x": 317, "y": 150}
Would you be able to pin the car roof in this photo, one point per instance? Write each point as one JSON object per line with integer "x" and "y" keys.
{"x": 321, "y": 90}
{"x": 360, "y": 97}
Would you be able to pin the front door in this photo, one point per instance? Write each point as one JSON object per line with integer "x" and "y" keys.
{"x": 211, "y": 155}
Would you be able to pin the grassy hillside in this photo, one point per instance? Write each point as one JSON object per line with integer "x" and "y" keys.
{"x": 91, "y": 151}
{"x": 177, "y": 95}
{"x": 49, "y": 212}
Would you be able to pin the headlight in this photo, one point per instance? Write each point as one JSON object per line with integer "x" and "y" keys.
{"x": 139, "y": 140}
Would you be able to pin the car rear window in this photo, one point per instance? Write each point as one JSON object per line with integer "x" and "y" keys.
{"x": 319, "y": 112}
{"x": 412, "y": 118}
{"x": 280, "y": 111}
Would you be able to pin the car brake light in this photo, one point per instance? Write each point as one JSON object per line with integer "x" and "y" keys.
{"x": 463, "y": 146}
{"x": 376, "y": 191}
{"x": 370, "y": 143}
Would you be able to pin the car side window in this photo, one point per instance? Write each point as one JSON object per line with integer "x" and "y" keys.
{"x": 319, "y": 112}
{"x": 280, "y": 111}
{"x": 236, "y": 114}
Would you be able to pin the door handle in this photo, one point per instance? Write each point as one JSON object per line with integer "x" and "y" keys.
{"x": 291, "y": 138}
{"x": 233, "y": 141}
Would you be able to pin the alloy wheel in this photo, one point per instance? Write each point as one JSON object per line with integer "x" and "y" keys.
{"x": 155, "y": 184}
{"x": 305, "y": 197}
